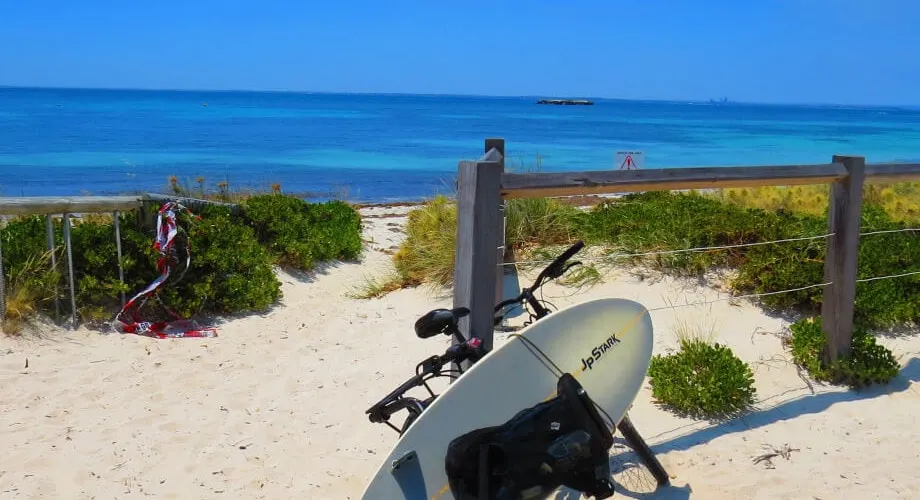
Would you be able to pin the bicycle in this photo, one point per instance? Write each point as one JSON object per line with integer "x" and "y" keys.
{"x": 444, "y": 321}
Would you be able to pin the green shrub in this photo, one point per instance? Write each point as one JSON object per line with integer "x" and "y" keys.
{"x": 868, "y": 362}
{"x": 880, "y": 303}
{"x": 657, "y": 221}
{"x": 787, "y": 265}
{"x": 230, "y": 271}
{"x": 702, "y": 380}
{"x": 662, "y": 221}
{"x": 97, "y": 288}
{"x": 300, "y": 234}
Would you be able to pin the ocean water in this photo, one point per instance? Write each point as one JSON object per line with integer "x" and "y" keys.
{"x": 375, "y": 148}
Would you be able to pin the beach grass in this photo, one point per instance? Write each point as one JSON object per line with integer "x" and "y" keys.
{"x": 427, "y": 254}
{"x": 694, "y": 327}
{"x": 900, "y": 200}
{"x": 373, "y": 287}
{"x": 28, "y": 286}
{"x": 226, "y": 192}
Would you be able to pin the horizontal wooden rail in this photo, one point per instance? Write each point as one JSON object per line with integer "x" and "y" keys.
{"x": 892, "y": 172}
{"x": 72, "y": 204}
{"x": 537, "y": 185}
{"x": 189, "y": 202}
{"x": 44, "y": 205}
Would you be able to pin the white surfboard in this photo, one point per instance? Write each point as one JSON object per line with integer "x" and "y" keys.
{"x": 606, "y": 344}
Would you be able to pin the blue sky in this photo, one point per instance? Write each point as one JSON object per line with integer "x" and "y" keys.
{"x": 800, "y": 51}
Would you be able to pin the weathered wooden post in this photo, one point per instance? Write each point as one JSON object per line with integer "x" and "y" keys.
{"x": 840, "y": 265}
{"x": 499, "y": 144}
{"x": 479, "y": 224}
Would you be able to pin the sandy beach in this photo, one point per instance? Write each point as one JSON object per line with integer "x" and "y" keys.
{"x": 274, "y": 406}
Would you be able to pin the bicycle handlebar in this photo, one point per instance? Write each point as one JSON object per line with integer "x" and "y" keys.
{"x": 384, "y": 412}
{"x": 556, "y": 267}
{"x": 468, "y": 350}
{"x": 554, "y": 270}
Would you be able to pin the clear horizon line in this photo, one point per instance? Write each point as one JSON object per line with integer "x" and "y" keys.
{"x": 492, "y": 96}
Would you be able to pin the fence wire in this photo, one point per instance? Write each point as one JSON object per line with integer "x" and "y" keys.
{"x": 614, "y": 256}
{"x": 910, "y": 229}
{"x": 866, "y": 280}
{"x": 625, "y": 255}
{"x": 739, "y": 297}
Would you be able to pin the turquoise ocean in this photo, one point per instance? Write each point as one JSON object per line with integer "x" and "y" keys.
{"x": 379, "y": 148}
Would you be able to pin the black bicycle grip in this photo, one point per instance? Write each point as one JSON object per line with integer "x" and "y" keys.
{"x": 569, "y": 253}
{"x": 555, "y": 269}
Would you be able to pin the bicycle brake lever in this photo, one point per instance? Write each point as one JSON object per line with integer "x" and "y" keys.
{"x": 570, "y": 266}
{"x": 556, "y": 273}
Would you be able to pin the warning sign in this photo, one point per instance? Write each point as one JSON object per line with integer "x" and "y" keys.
{"x": 630, "y": 160}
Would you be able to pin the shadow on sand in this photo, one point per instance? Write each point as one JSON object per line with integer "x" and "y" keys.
{"x": 670, "y": 492}
{"x": 790, "y": 409}
{"x": 319, "y": 269}
{"x": 786, "y": 410}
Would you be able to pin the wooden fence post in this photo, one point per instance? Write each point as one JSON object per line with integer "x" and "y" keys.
{"x": 478, "y": 238}
{"x": 840, "y": 265}
{"x": 499, "y": 145}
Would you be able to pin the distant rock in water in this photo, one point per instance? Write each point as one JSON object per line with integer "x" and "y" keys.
{"x": 566, "y": 102}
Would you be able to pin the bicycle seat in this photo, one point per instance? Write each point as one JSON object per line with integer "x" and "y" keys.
{"x": 439, "y": 321}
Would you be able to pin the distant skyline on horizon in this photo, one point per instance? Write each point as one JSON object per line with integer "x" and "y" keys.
{"x": 783, "y": 52}
{"x": 907, "y": 106}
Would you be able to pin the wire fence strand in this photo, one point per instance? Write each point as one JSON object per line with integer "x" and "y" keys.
{"x": 886, "y": 231}
{"x": 613, "y": 256}
{"x": 866, "y": 280}
{"x": 738, "y": 297}
{"x": 678, "y": 251}
{"x": 624, "y": 255}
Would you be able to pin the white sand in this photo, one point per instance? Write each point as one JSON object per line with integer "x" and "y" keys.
{"x": 274, "y": 407}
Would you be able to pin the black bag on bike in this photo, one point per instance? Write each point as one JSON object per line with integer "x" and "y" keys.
{"x": 560, "y": 442}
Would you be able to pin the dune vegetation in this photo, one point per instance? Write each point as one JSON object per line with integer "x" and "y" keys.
{"x": 234, "y": 254}
{"x": 652, "y": 222}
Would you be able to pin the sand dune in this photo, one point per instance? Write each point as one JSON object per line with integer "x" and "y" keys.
{"x": 274, "y": 407}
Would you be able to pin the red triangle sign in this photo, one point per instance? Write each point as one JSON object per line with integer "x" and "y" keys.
{"x": 627, "y": 163}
